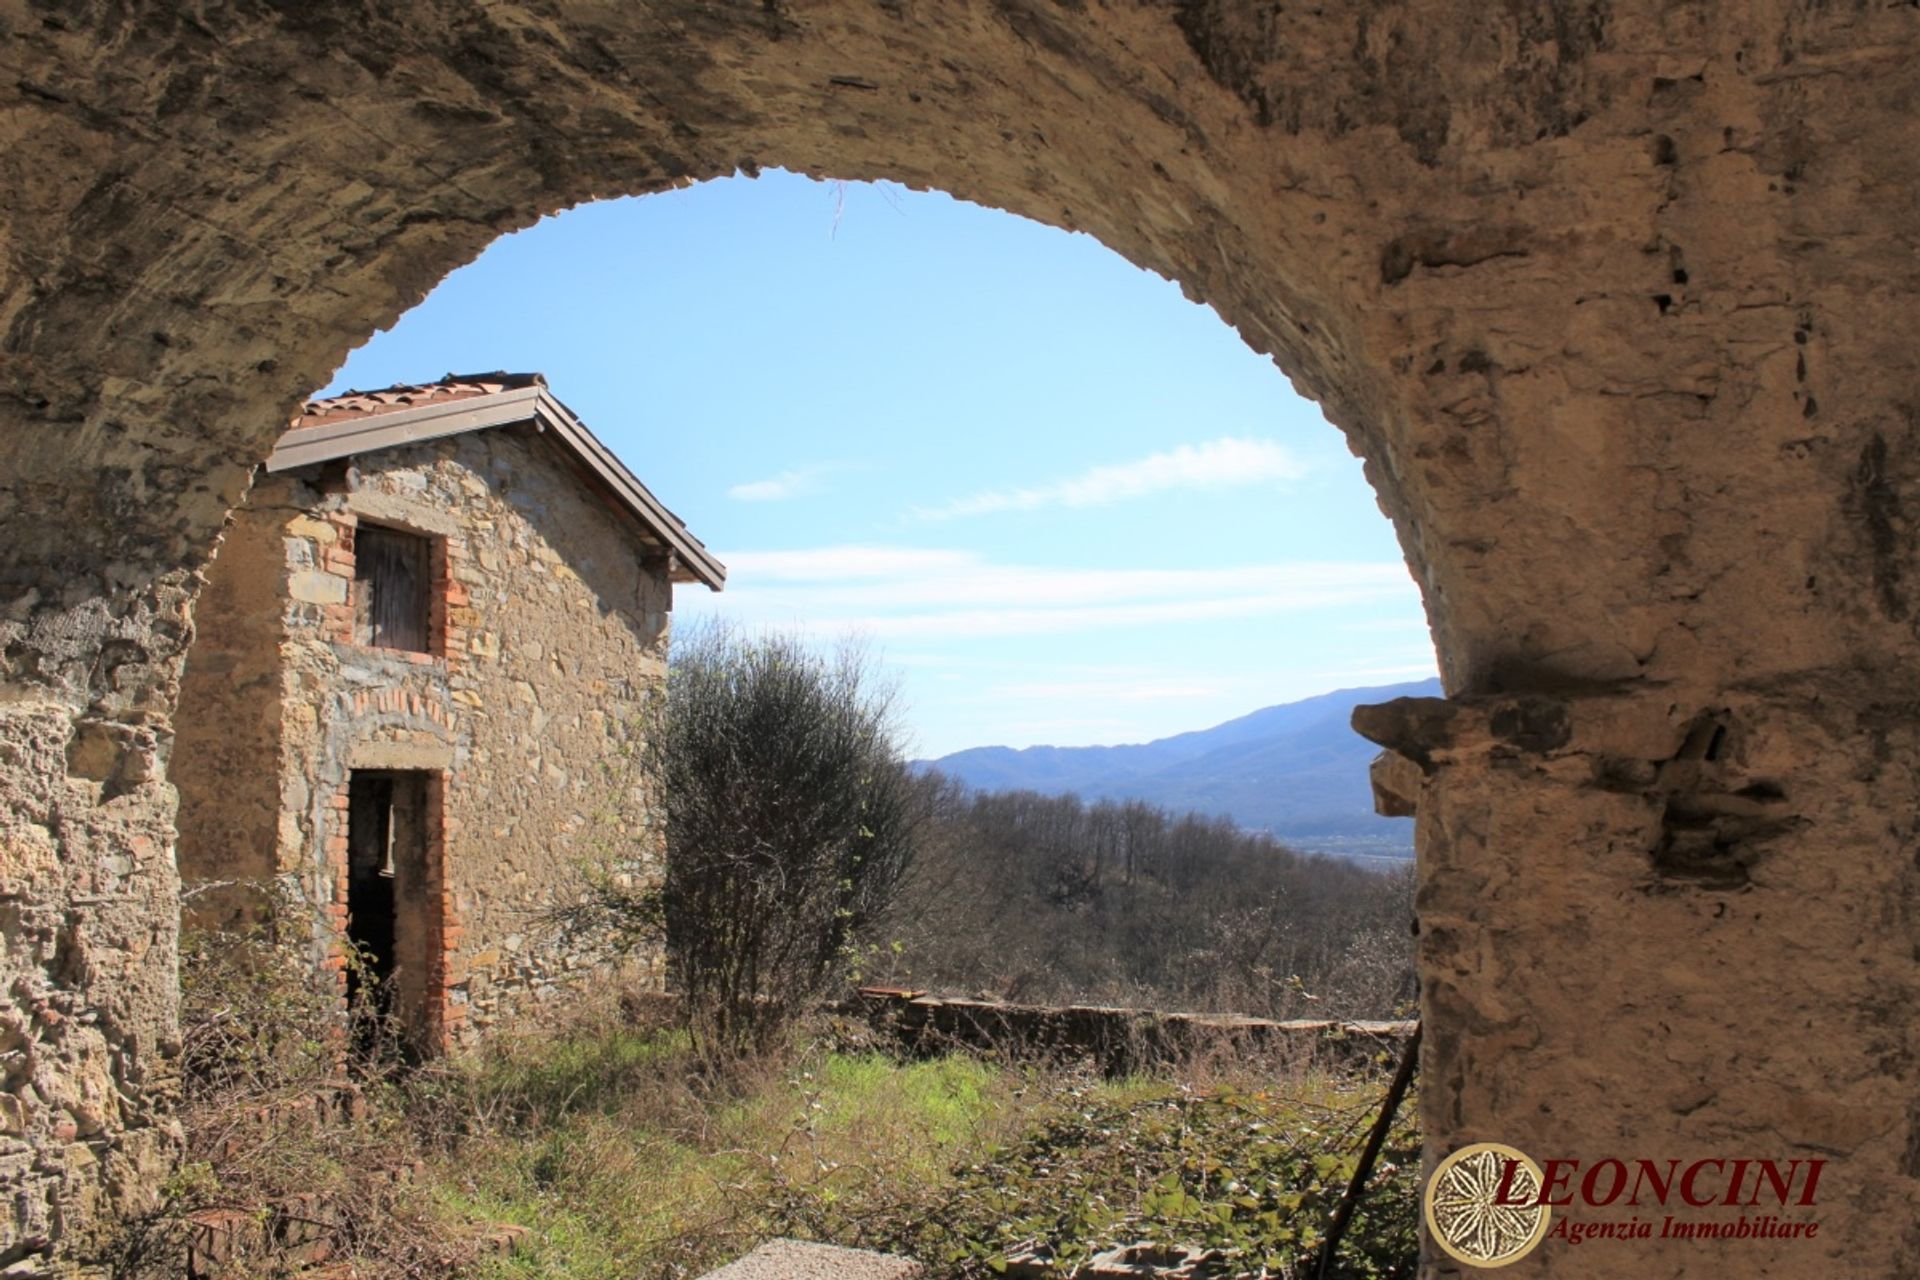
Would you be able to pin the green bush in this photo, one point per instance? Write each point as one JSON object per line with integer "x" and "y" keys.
{"x": 790, "y": 819}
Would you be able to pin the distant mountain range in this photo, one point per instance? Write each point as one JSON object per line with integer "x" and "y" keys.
{"x": 1297, "y": 770}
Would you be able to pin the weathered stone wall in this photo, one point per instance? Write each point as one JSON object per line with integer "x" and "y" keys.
{"x": 1629, "y": 944}
{"x": 549, "y": 633}
{"x": 88, "y": 902}
{"x": 1122, "y": 1040}
{"x": 1612, "y": 297}
{"x": 227, "y": 736}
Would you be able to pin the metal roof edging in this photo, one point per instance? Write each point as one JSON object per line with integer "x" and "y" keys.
{"x": 369, "y": 432}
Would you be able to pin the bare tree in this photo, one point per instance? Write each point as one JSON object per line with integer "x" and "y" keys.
{"x": 1046, "y": 898}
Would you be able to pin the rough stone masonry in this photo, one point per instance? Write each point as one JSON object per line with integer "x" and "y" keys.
{"x": 1613, "y": 296}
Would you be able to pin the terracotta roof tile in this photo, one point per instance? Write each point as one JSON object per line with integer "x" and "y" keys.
{"x": 455, "y": 386}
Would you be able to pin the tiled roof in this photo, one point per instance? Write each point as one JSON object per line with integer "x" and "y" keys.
{"x": 361, "y": 422}
{"x": 455, "y": 386}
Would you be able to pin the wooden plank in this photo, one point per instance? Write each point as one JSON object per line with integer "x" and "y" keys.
{"x": 391, "y": 587}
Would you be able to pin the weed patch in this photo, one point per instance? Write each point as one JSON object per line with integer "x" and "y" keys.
{"x": 1250, "y": 1178}
{"x": 298, "y": 1150}
{"x": 627, "y": 1155}
{"x": 964, "y": 1163}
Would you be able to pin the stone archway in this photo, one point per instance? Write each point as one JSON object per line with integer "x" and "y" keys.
{"x": 1609, "y": 295}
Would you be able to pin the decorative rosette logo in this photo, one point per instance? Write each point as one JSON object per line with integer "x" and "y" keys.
{"x": 1483, "y": 1205}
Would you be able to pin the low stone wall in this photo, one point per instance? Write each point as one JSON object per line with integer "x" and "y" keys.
{"x": 1120, "y": 1039}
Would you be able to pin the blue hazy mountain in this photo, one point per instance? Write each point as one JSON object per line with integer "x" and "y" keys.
{"x": 1297, "y": 770}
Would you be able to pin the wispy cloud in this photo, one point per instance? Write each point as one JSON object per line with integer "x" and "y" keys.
{"x": 788, "y": 484}
{"x": 1067, "y": 727}
{"x": 1100, "y": 692}
{"x": 937, "y": 594}
{"x": 829, "y": 564}
{"x": 1413, "y": 623}
{"x": 1216, "y": 464}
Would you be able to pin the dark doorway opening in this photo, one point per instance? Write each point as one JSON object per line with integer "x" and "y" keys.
{"x": 387, "y": 841}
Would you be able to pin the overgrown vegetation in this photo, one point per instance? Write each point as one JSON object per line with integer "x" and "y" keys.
{"x": 1050, "y": 900}
{"x": 1248, "y": 1176}
{"x": 298, "y": 1145}
{"x": 625, "y": 1154}
{"x": 626, "y": 1164}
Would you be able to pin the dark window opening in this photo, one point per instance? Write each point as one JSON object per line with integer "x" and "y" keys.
{"x": 387, "y": 921}
{"x": 392, "y": 578}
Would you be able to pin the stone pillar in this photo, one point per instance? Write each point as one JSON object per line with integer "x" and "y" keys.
{"x": 96, "y": 525}
{"x": 88, "y": 915}
{"x": 1654, "y": 927}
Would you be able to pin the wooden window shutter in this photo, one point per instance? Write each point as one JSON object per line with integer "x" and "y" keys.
{"x": 393, "y": 581}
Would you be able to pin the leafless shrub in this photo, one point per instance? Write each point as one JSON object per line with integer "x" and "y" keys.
{"x": 298, "y": 1148}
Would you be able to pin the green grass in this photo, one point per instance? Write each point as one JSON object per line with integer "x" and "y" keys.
{"x": 624, "y": 1163}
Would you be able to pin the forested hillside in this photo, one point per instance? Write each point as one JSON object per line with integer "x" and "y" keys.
{"x": 1029, "y": 897}
{"x": 1297, "y": 771}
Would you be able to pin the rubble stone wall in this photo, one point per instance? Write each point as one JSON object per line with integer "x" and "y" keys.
{"x": 1122, "y": 1040}
{"x": 1613, "y": 297}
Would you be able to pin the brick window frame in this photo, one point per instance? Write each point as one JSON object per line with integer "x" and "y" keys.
{"x": 449, "y": 602}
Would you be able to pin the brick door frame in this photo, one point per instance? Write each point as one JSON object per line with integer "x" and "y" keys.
{"x": 442, "y": 1017}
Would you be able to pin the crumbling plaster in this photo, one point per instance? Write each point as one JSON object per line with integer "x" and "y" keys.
{"x": 1612, "y": 297}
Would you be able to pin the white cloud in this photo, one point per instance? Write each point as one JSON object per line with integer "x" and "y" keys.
{"x": 788, "y": 484}
{"x": 1064, "y": 727}
{"x": 934, "y": 594}
{"x": 1416, "y": 623}
{"x": 1216, "y": 464}
{"x": 891, "y": 578}
{"x": 1017, "y": 622}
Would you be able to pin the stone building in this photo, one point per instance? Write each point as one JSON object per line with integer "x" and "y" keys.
{"x": 408, "y": 717}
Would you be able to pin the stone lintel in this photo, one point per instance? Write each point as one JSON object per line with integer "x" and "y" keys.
{"x": 401, "y": 755}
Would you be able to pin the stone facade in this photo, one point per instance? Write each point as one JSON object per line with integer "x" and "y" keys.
{"x": 547, "y": 630}
{"x": 1613, "y": 296}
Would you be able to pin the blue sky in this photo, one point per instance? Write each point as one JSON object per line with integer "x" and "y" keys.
{"x": 1063, "y": 503}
